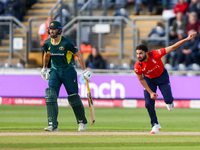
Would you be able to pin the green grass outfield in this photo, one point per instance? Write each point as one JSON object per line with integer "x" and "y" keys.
{"x": 21, "y": 127}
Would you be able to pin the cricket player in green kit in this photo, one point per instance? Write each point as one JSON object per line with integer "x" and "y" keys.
{"x": 62, "y": 71}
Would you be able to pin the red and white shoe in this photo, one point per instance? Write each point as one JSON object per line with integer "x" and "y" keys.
{"x": 155, "y": 128}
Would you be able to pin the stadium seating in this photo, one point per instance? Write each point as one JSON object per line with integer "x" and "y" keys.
{"x": 168, "y": 67}
{"x": 119, "y": 3}
{"x": 18, "y": 65}
{"x": 124, "y": 66}
{"x": 112, "y": 66}
{"x": 171, "y": 3}
{"x": 109, "y": 3}
{"x": 5, "y": 65}
{"x": 95, "y": 3}
{"x": 81, "y": 3}
{"x": 193, "y": 67}
{"x": 130, "y": 1}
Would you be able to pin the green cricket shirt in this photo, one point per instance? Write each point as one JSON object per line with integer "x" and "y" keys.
{"x": 61, "y": 54}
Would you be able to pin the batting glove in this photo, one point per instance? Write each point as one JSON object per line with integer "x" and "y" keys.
{"x": 87, "y": 75}
{"x": 45, "y": 74}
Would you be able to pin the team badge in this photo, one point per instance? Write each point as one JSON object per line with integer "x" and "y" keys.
{"x": 52, "y": 24}
{"x": 61, "y": 48}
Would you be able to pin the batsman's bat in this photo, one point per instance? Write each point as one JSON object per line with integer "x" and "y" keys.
{"x": 90, "y": 102}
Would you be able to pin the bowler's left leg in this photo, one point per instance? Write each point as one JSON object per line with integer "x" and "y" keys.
{"x": 166, "y": 91}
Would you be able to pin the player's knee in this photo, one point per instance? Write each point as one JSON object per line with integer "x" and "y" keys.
{"x": 74, "y": 100}
{"x": 50, "y": 95}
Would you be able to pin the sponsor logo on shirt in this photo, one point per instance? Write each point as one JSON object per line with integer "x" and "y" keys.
{"x": 149, "y": 71}
{"x": 61, "y": 48}
{"x": 57, "y": 54}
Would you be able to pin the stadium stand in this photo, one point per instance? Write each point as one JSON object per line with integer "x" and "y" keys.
{"x": 119, "y": 3}
{"x": 95, "y": 4}
{"x": 110, "y": 49}
{"x": 111, "y": 66}
{"x": 81, "y": 3}
{"x": 109, "y": 3}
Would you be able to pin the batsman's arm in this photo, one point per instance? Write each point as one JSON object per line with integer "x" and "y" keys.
{"x": 179, "y": 43}
{"x": 46, "y": 59}
{"x": 81, "y": 59}
{"x": 145, "y": 85}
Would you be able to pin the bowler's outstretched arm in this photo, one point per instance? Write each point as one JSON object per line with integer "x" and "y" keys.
{"x": 179, "y": 43}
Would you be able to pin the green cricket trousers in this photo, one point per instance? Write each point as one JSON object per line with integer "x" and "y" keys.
{"x": 67, "y": 77}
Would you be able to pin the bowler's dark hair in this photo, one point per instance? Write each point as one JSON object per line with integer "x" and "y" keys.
{"x": 142, "y": 47}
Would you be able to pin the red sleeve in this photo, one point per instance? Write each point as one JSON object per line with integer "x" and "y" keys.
{"x": 137, "y": 69}
{"x": 159, "y": 53}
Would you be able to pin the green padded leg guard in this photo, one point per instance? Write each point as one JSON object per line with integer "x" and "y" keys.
{"x": 52, "y": 106}
{"x": 79, "y": 111}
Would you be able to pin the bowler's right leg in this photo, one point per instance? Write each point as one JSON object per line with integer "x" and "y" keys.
{"x": 150, "y": 105}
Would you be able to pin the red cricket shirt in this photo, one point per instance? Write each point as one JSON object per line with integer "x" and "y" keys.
{"x": 153, "y": 67}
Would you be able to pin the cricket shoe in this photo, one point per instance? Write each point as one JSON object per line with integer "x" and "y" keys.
{"x": 50, "y": 128}
{"x": 170, "y": 106}
{"x": 155, "y": 128}
{"x": 82, "y": 127}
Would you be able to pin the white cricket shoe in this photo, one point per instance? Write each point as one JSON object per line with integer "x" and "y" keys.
{"x": 155, "y": 128}
{"x": 50, "y": 128}
{"x": 82, "y": 127}
{"x": 170, "y": 106}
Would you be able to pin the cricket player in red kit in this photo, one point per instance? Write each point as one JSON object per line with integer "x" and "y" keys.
{"x": 151, "y": 73}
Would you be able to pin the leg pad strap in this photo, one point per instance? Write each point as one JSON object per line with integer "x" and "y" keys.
{"x": 74, "y": 100}
{"x": 50, "y": 95}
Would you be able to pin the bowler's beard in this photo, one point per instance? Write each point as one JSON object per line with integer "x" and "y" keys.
{"x": 145, "y": 56}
